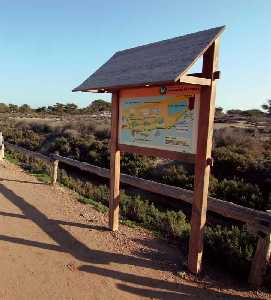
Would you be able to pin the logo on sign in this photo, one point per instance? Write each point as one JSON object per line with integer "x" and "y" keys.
{"x": 163, "y": 90}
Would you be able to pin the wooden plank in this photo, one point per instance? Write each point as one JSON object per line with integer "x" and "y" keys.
{"x": 83, "y": 166}
{"x": 202, "y": 168}
{"x": 260, "y": 221}
{"x": 186, "y": 157}
{"x": 28, "y": 153}
{"x": 114, "y": 166}
{"x": 195, "y": 80}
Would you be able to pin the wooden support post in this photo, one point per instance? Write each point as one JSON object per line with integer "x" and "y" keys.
{"x": 2, "y": 147}
{"x": 114, "y": 166}
{"x": 202, "y": 167}
{"x": 260, "y": 260}
{"x": 55, "y": 169}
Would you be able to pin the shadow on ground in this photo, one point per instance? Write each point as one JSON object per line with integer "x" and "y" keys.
{"x": 23, "y": 181}
{"x": 150, "y": 287}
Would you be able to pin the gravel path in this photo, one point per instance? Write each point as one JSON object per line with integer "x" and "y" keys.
{"x": 53, "y": 247}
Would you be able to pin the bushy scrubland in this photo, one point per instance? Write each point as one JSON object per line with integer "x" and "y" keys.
{"x": 242, "y": 157}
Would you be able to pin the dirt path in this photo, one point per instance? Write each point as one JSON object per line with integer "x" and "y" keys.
{"x": 53, "y": 247}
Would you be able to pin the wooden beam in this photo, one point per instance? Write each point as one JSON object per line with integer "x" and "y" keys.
{"x": 216, "y": 75}
{"x": 260, "y": 260}
{"x": 83, "y": 166}
{"x": 2, "y": 147}
{"x": 114, "y": 166}
{"x": 195, "y": 80}
{"x": 2, "y": 152}
{"x": 55, "y": 169}
{"x": 173, "y": 89}
{"x": 202, "y": 168}
{"x": 186, "y": 157}
{"x": 258, "y": 220}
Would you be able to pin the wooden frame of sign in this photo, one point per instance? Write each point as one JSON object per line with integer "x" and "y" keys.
{"x": 201, "y": 158}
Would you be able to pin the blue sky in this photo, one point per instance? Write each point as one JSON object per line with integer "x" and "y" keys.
{"x": 49, "y": 47}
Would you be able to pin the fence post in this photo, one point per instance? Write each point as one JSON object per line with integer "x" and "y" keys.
{"x": 114, "y": 166}
{"x": 2, "y": 147}
{"x": 55, "y": 169}
{"x": 260, "y": 260}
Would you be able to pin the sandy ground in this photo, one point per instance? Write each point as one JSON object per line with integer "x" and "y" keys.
{"x": 53, "y": 247}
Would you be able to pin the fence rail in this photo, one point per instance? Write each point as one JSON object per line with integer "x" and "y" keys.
{"x": 29, "y": 153}
{"x": 252, "y": 217}
{"x": 258, "y": 222}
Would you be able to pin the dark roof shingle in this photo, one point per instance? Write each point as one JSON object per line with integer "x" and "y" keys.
{"x": 154, "y": 63}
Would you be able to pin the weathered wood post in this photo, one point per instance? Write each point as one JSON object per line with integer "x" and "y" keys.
{"x": 203, "y": 159}
{"x": 55, "y": 169}
{"x": 260, "y": 260}
{"x": 2, "y": 147}
{"x": 114, "y": 165}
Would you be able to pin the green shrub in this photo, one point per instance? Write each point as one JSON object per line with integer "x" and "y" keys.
{"x": 239, "y": 192}
{"x": 174, "y": 174}
{"x": 136, "y": 165}
{"x": 62, "y": 145}
{"x": 34, "y": 166}
{"x": 231, "y": 248}
{"x": 102, "y": 132}
{"x": 229, "y": 162}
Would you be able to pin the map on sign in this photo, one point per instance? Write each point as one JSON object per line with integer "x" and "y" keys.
{"x": 161, "y": 122}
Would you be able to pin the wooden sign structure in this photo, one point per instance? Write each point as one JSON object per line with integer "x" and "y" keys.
{"x": 160, "y": 110}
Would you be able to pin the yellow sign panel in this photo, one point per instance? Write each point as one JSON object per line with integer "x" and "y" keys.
{"x": 167, "y": 122}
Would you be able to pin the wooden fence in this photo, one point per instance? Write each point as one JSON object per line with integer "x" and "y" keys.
{"x": 257, "y": 222}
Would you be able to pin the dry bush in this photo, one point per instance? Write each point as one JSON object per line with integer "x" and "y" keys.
{"x": 22, "y": 125}
{"x": 39, "y": 125}
{"x": 71, "y": 133}
{"x": 82, "y": 127}
{"x": 102, "y": 132}
{"x": 233, "y": 136}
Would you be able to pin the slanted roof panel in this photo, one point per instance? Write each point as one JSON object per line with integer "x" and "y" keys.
{"x": 159, "y": 62}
